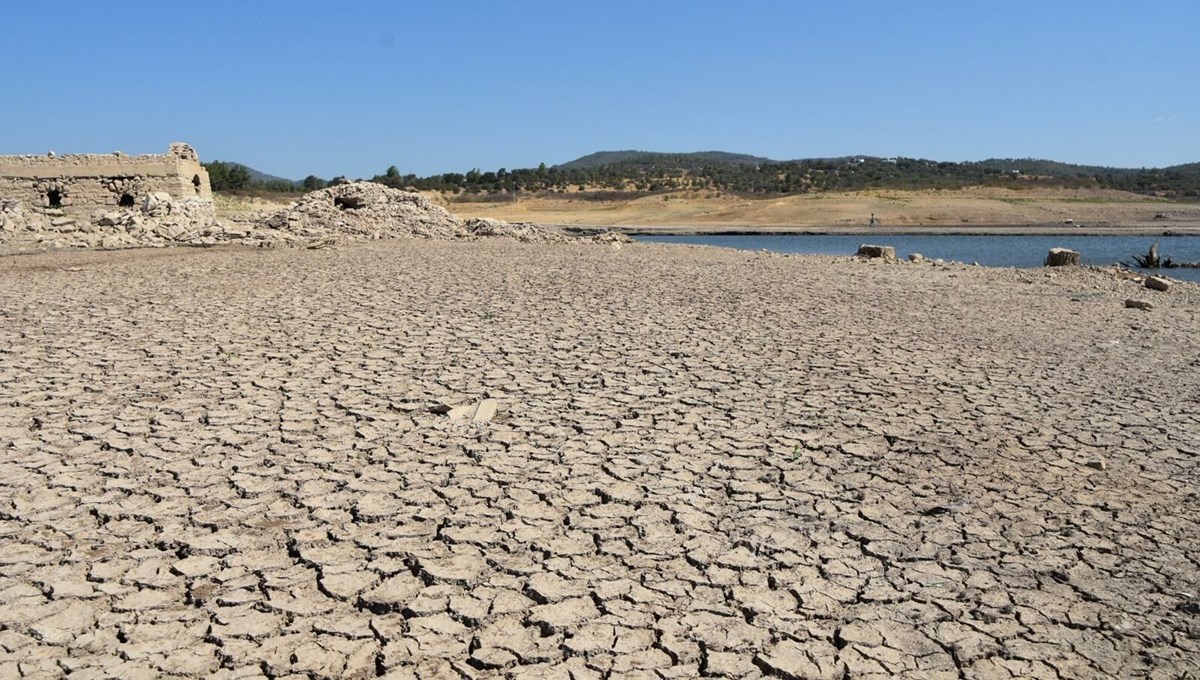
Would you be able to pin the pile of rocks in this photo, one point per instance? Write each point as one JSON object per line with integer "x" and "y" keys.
{"x": 15, "y": 218}
{"x": 362, "y": 210}
{"x": 160, "y": 220}
{"x": 614, "y": 238}
{"x": 521, "y": 231}
{"x": 341, "y": 213}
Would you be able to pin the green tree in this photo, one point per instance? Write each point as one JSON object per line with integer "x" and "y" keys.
{"x": 227, "y": 176}
{"x": 312, "y": 183}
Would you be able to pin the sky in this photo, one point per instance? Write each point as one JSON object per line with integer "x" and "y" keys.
{"x": 349, "y": 88}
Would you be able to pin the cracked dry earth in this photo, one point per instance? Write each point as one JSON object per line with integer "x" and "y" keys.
{"x": 224, "y": 463}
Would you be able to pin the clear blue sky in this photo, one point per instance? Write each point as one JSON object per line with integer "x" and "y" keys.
{"x": 349, "y": 88}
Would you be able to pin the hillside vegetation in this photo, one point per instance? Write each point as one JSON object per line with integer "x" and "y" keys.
{"x": 648, "y": 172}
{"x": 623, "y": 174}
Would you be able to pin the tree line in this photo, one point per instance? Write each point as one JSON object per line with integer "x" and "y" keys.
{"x": 653, "y": 173}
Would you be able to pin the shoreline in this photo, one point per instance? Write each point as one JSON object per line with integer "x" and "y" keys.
{"x": 888, "y": 230}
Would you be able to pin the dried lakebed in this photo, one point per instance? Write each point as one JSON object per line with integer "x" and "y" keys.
{"x": 704, "y": 462}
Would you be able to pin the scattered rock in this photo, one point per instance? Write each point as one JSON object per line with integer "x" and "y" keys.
{"x": 1157, "y": 283}
{"x": 479, "y": 412}
{"x": 1062, "y": 257}
{"x": 161, "y": 221}
{"x": 1139, "y": 304}
{"x": 870, "y": 252}
{"x": 485, "y": 411}
{"x": 616, "y": 238}
{"x": 916, "y": 257}
{"x": 522, "y": 231}
{"x": 1098, "y": 464}
{"x": 109, "y": 220}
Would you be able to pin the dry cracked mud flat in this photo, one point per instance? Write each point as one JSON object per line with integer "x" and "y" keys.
{"x": 225, "y": 463}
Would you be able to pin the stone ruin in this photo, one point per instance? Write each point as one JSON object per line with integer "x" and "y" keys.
{"x": 120, "y": 201}
{"x": 108, "y": 200}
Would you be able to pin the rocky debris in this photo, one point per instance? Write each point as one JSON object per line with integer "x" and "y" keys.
{"x": 521, "y": 231}
{"x": 1062, "y": 257}
{"x": 341, "y": 213}
{"x": 356, "y": 211}
{"x": 478, "y": 412}
{"x": 916, "y": 258}
{"x": 612, "y": 237}
{"x": 871, "y": 252}
{"x": 1139, "y": 304}
{"x": 160, "y": 220}
{"x": 1158, "y": 283}
{"x": 16, "y": 218}
{"x": 157, "y": 204}
{"x": 1117, "y": 272}
{"x": 363, "y": 211}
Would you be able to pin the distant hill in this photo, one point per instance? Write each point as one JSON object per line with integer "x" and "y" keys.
{"x": 656, "y": 158}
{"x": 607, "y": 174}
{"x": 263, "y": 178}
{"x": 688, "y": 161}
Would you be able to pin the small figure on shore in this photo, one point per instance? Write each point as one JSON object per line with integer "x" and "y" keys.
{"x": 872, "y": 219}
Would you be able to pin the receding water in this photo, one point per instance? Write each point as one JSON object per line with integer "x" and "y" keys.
{"x": 988, "y": 250}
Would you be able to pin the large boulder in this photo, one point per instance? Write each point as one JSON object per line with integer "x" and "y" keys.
{"x": 1061, "y": 257}
{"x": 157, "y": 204}
{"x": 870, "y": 252}
{"x": 1158, "y": 283}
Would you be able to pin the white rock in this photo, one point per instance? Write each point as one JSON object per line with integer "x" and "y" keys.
{"x": 871, "y": 252}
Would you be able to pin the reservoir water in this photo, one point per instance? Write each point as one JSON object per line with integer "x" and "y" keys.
{"x": 987, "y": 250}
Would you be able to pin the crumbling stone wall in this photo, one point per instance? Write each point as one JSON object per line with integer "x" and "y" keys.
{"x": 81, "y": 184}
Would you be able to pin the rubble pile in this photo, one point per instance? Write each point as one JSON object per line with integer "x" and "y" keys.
{"x": 614, "y": 238}
{"x": 15, "y": 218}
{"x": 360, "y": 211}
{"x": 522, "y": 231}
{"x": 160, "y": 220}
{"x": 341, "y": 213}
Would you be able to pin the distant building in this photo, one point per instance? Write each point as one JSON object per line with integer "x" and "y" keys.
{"x": 81, "y": 184}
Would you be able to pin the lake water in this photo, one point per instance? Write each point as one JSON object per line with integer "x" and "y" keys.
{"x": 987, "y": 250}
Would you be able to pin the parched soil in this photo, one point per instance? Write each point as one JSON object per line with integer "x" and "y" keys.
{"x": 232, "y": 463}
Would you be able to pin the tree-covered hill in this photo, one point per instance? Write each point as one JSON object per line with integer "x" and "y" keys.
{"x": 696, "y": 159}
{"x": 228, "y": 176}
{"x": 610, "y": 174}
{"x": 599, "y": 175}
